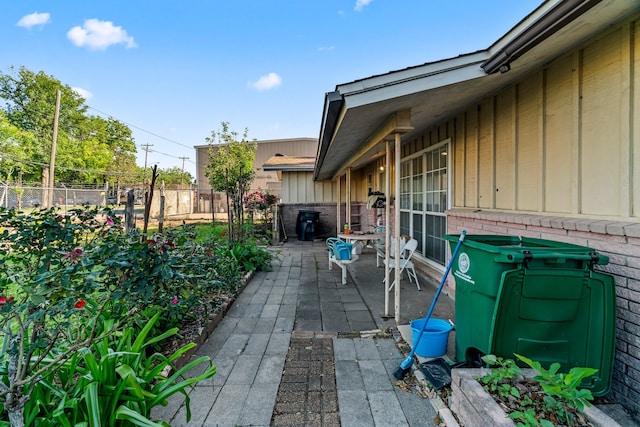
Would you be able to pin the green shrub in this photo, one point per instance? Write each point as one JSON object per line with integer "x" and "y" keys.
{"x": 250, "y": 256}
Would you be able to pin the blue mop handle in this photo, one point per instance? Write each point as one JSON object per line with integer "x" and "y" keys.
{"x": 435, "y": 298}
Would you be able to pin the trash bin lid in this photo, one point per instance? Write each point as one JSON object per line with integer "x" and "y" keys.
{"x": 566, "y": 316}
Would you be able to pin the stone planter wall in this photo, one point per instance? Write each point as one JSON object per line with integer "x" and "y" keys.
{"x": 475, "y": 407}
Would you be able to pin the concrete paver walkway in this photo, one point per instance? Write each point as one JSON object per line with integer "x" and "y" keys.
{"x": 290, "y": 353}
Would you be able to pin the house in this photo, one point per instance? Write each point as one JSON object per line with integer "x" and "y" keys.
{"x": 538, "y": 135}
{"x": 264, "y": 180}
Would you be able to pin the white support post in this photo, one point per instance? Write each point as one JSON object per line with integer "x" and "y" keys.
{"x": 348, "y": 200}
{"x": 387, "y": 228}
{"x": 338, "y": 222}
{"x": 396, "y": 228}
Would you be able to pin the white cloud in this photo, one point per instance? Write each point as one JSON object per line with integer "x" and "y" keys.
{"x": 99, "y": 35}
{"x": 326, "y": 48}
{"x": 82, "y": 92}
{"x": 34, "y": 19}
{"x": 360, "y": 4}
{"x": 267, "y": 82}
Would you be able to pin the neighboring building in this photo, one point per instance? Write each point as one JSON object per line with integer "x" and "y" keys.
{"x": 264, "y": 180}
{"x": 538, "y": 136}
{"x": 301, "y": 193}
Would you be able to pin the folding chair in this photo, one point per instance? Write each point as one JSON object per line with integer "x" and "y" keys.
{"x": 405, "y": 263}
{"x": 380, "y": 252}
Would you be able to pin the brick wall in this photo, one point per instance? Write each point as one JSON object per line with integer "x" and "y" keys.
{"x": 620, "y": 241}
{"x": 327, "y": 226}
{"x": 327, "y": 218}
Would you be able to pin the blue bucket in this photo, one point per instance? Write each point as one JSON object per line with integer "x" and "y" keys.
{"x": 434, "y": 338}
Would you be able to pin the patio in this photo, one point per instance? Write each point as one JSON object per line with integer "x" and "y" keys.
{"x": 367, "y": 280}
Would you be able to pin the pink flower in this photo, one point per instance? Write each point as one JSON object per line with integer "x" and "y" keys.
{"x": 109, "y": 221}
{"x": 74, "y": 254}
{"x": 174, "y": 301}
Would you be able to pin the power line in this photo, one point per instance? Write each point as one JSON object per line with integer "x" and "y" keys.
{"x": 141, "y": 129}
{"x": 160, "y": 152}
{"x": 42, "y": 115}
{"x": 31, "y": 162}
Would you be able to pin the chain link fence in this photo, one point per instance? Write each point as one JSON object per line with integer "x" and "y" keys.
{"x": 30, "y": 197}
{"x": 177, "y": 202}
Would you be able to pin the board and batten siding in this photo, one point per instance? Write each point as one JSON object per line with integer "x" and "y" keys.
{"x": 564, "y": 140}
{"x": 299, "y": 187}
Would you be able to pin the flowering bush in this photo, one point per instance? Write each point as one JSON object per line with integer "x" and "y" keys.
{"x": 259, "y": 201}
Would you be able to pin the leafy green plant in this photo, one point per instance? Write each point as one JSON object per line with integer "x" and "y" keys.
{"x": 250, "y": 256}
{"x": 113, "y": 382}
{"x": 562, "y": 389}
{"x": 550, "y": 398}
{"x": 120, "y": 383}
{"x": 501, "y": 370}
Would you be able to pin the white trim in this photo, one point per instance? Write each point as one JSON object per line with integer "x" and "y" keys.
{"x": 445, "y": 143}
{"x": 429, "y": 148}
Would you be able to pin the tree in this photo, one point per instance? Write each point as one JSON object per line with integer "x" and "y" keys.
{"x": 14, "y": 145}
{"x": 174, "y": 176}
{"x": 230, "y": 170}
{"x": 30, "y": 105}
{"x": 90, "y": 148}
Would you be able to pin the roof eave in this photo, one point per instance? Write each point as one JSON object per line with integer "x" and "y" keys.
{"x": 333, "y": 105}
{"x": 553, "y": 16}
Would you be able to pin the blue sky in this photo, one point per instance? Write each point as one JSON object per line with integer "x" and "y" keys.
{"x": 174, "y": 70}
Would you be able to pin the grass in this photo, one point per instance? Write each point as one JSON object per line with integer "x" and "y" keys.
{"x": 206, "y": 232}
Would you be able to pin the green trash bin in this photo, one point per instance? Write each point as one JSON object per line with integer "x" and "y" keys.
{"x": 535, "y": 297}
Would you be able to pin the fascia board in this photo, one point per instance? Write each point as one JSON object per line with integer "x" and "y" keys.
{"x": 521, "y": 26}
{"x": 425, "y": 78}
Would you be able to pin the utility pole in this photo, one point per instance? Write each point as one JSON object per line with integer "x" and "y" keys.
{"x": 146, "y": 149}
{"x": 182, "y": 174}
{"x": 52, "y": 161}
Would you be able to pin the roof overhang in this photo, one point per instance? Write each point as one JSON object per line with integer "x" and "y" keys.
{"x": 289, "y": 164}
{"x": 354, "y": 113}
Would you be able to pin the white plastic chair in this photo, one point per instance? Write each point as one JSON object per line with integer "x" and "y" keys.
{"x": 336, "y": 258}
{"x": 405, "y": 263}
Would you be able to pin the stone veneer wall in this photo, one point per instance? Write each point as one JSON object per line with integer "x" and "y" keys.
{"x": 620, "y": 241}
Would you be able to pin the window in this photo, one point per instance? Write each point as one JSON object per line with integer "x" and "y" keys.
{"x": 423, "y": 200}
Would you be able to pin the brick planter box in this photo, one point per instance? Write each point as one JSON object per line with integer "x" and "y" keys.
{"x": 475, "y": 407}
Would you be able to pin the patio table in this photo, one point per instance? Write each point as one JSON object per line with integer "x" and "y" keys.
{"x": 361, "y": 237}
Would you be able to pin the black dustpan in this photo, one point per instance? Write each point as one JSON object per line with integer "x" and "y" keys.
{"x": 437, "y": 371}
